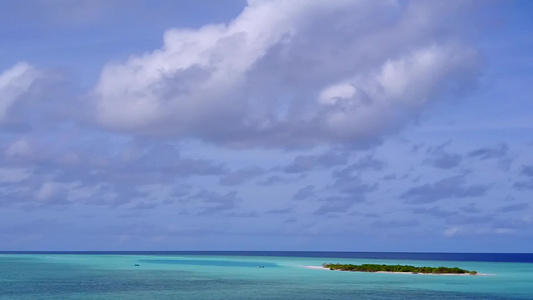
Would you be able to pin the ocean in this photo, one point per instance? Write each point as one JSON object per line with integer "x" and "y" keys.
{"x": 256, "y": 275}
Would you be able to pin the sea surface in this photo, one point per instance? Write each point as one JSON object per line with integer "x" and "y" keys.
{"x": 256, "y": 275}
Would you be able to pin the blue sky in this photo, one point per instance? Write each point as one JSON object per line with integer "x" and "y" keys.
{"x": 266, "y": 125}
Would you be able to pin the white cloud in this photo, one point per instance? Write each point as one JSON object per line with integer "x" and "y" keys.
{"x": 389, "y": 96}
{"x": 331, "y": 95}
{"x": 14, "y": 83}
{"x": 452, "y": 231}
{"x": 292, "y": 72}
{"x": 20, "y": 148}
{"x": 13, "y": 175}
{"x": 52, "y": 193}
{"x": 46, "y": 191}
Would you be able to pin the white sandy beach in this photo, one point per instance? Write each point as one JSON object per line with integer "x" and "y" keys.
{"x": 316, "y": 267}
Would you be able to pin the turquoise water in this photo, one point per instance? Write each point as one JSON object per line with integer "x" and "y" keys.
{"x": 73, "y": 276}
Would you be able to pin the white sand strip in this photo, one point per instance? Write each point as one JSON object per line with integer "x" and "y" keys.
{"x": 315, "y": 268}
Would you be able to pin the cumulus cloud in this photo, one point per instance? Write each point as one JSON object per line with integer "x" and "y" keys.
{"x": 352, "y": 185}
{"x": 20, "y": 148}
{"x": 13, "y": 175}
{"x": 165, "y": 159}
{"x": 352, "y": 190}
{"x": 276, "y": 180}
{"x": 282, "y": 210}
{"x": 364, "y": 164}
{"x": 52, "y": 193}
{"x": 296, "y": 72}
{"x": 15, "y": 83}
{"x": 451, "y": 187}
{"x": 305, "y": 193}
{"x": 523, "y": 185}
{"x": 452, "y": 231}
{"x": 514, "y": 207}
{"x": 304, "y": 163}
{"x": 497, "y": 152}
{"x": 338, "y": 204}
{"x": 439, "y": 157}
{"x": 210, "y": 202}
{"x": 241, "y": 176}
{"x": 45, "y": 174}
{"x": 471, "y": 208}
{"x": 527, "y": 170}
{"x": 434, "y": 211}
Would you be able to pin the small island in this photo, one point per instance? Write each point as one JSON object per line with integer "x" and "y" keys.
{"x": 397, "y": 269}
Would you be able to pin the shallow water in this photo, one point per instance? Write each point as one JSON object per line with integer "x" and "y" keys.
{"x": 90, "y": 276}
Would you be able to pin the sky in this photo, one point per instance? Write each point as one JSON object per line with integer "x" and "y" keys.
{"x": 298, "y": 125}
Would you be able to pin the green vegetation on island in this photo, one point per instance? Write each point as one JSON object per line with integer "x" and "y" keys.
{"x": 397, "y": 269}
